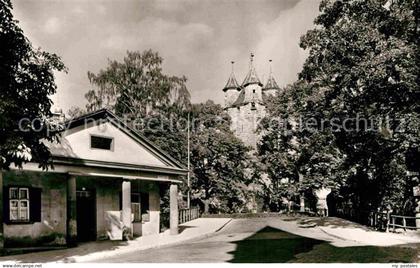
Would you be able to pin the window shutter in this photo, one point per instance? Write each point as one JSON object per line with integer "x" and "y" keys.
{"x": 35, "y": 204}
{"x": 6, "y": 211}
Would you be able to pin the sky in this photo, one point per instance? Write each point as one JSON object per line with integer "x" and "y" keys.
{"x": 197, "y": 39}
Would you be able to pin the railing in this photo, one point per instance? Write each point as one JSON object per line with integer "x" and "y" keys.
{"x": 188, "y": 214}
{"x": 380, "y": 221}
{"x": 402, "y": 222}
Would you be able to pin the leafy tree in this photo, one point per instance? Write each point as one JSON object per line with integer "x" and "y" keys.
{"x": 152, "y": 102}
{"x": 136, "y": 87}
{"x": 75, "y": 111}
{"x": 219, "y": 160}
{"x": 366, "y": 57}
{"x": 363, "y": 63}
{"x": 27, "y": 82}
{"x": 298, "y": 157}
{"x": 168, "y": 132}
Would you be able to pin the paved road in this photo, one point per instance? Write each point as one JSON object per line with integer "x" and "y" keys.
{"x": 275, "y": 239}
{"x": 240, "y": 241}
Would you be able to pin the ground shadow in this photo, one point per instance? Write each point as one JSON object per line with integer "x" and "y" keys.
{"x": 182, "y": 228}
{"x": 270, "y": 245}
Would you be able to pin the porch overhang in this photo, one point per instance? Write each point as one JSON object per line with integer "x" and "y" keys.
{"x": 95, "y": 168}
{"x": 125, "y": 177}
{"x": 116, "y": 165}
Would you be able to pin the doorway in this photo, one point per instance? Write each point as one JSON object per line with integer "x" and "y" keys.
{"x": 86, "y": 215}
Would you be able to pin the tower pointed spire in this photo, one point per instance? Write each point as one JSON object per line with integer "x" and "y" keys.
{"x": 232, "y": 83}
{"x": 271, "y": 82}
{"x": 251, "y": 77}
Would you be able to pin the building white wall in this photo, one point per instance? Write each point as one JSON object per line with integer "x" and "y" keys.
{"x": 245, "y": 121}
{"x": 230, "y": 96}
{"x": 250, "y": 95}
{"x": 125, "y": 149}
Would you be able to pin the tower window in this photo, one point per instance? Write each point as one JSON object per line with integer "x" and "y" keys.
{"x": 102, "y": 143}
{"x": 253, "y": 91}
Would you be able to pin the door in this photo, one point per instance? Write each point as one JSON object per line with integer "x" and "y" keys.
{"x": 86, "y": 215}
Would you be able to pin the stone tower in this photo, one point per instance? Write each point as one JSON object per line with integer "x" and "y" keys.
{"x": 245, "y": 103}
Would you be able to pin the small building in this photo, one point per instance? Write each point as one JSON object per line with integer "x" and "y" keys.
{"x": 106, "y": 182}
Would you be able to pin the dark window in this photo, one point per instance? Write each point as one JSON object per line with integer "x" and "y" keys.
{"x": 101, "y": 143}
{"x": 144, "y": 204}
{"x": 253, "y": 91}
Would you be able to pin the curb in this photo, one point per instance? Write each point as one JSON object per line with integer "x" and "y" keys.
{"x": 224, "y": 225}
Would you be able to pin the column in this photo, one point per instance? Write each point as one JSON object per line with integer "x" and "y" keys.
{"x": 126, "y": 208}
{"x": 71, "y": 211}
{"x": 154, "y": 209}
{"x": 173, "y": 204}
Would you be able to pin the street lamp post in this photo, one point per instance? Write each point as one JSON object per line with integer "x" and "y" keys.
{"x": 188, "y": 163}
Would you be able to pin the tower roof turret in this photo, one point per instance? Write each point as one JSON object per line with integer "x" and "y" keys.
{"x": 232, "y": 83}
{"x": 271, "y": 82}
{"x": 251, "y": 77}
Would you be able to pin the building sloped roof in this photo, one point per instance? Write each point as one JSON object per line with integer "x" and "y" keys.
{"x": 240, "y": 100}
{"x": 271, "y": 83}
{"x": 60, "y": 148}
{"x": 251, "y": 78}
{"x": 232, "y": 83}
